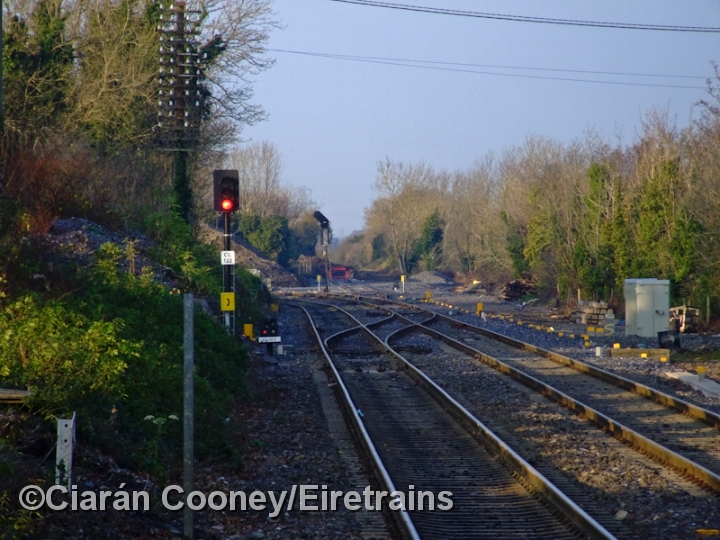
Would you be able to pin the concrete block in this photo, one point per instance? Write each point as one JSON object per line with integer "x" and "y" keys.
{"x": 651, "y": 353}
{"x": 708, "y": 387}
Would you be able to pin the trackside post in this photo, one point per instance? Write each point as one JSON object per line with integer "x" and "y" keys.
{"x": 188, "y": 410}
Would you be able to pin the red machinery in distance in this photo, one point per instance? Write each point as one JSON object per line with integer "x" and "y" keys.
{"x": 341, "y": 272}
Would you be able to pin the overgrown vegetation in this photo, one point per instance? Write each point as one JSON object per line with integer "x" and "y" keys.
{"x": 104, "y": 339}
{"x": 584, "y": 215}
{"x": 110, "y": 353}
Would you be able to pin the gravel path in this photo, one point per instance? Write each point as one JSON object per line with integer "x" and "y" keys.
{"x": 287, "y": 441}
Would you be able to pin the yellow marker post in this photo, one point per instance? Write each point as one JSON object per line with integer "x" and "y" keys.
{"x": 599, "y": 330}
{"x": 248, "y": 330}
{"x": 227, "y": 301}
{"x": 616, "y": 345}
{"x": 428, "y": 296}
{"x": 587, "y": 343}
{"x": 590, "y": 329}
{"x": 643, "y": 355}
{"x": 479, "y": 309}
{"x": 561, "y": 334}
{"x": 549, "y": 330}
{"x": 572, "y": 336}
{"x": 275, "y": 307}
{"x": 663, "y": 358}
{"x": 585, "y": 337}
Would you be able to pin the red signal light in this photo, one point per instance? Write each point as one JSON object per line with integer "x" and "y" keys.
{"x": 227, "y": 204}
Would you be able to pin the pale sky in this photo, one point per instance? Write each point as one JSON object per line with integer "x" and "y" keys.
{"x": 333, "y": 119}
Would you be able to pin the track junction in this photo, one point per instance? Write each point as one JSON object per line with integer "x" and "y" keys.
{"x": 422, "y": 431}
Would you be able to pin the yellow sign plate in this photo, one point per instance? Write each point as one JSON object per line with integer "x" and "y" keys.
{"x": 227, "y": 301}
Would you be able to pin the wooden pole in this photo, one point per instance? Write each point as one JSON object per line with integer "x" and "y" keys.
{"x": 707, "y": 309}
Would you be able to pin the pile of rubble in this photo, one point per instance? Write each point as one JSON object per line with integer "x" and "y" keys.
{"x": 250, "y": 257}
{"x": 592, "y": 313}
{"x": 517, "y": 289}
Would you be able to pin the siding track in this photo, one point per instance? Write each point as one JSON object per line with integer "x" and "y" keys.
{"x": 679, "y": 434}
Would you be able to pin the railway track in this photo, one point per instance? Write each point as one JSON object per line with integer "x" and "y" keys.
{"x": 419, "y": 439}
{"x": 678, "y": 433}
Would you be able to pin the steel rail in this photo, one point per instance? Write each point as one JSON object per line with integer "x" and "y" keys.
{"x": 658, "y": 396}
{"x": 648, "y": 392}
{"x": 699, "y": 472}
{"x": 574, "y": 513}
{"x": 355, "y": 329}
{"x": 402, "y": 517}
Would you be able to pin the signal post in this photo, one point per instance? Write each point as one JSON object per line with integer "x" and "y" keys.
{"x": 325, "y": 242}
{"x": 226, "y": 199}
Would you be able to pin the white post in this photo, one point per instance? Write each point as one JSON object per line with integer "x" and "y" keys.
{"x": 64, "y": 450}
{"x": 188, "y": 410}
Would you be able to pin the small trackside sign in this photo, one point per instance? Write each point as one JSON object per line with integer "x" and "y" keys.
{"x": 227, "y": 258}
{"x": 269, "y": 339}
{"x": 227, "y": 301}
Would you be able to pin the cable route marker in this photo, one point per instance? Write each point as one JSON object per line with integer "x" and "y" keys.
{"x": 227, "y": 258}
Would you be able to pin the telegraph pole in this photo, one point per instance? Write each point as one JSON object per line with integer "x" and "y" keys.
{"x": 179, "y": 92}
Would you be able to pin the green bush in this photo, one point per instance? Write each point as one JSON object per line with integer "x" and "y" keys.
{"x": 69, "y": 361}
{"x": 113, "y": 352}
{"x": 154, "y": 317}
{"x": 194, "y": 263}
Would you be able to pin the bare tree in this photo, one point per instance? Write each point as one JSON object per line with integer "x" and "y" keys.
{"x": 240, "y": 28}
{"x": 409, "y": 194}
{"x": 474, "y": 234}
{"x": 262, "y": 190}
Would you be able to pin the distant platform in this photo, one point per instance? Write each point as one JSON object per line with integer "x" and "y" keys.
{"x": 12, "y": 395}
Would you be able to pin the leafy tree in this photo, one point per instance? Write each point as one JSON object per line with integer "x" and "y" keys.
{"x": 271, "y": 235}
{"x": 37, "y": 66}
{"x": 379, "y": 249}
{"x": 593, "y": 255}
{"x": 427, "y": 250}
{"x": 515, "y": 245}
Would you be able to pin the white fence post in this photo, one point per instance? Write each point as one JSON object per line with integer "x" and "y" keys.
{"x": 64, "y": 450}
